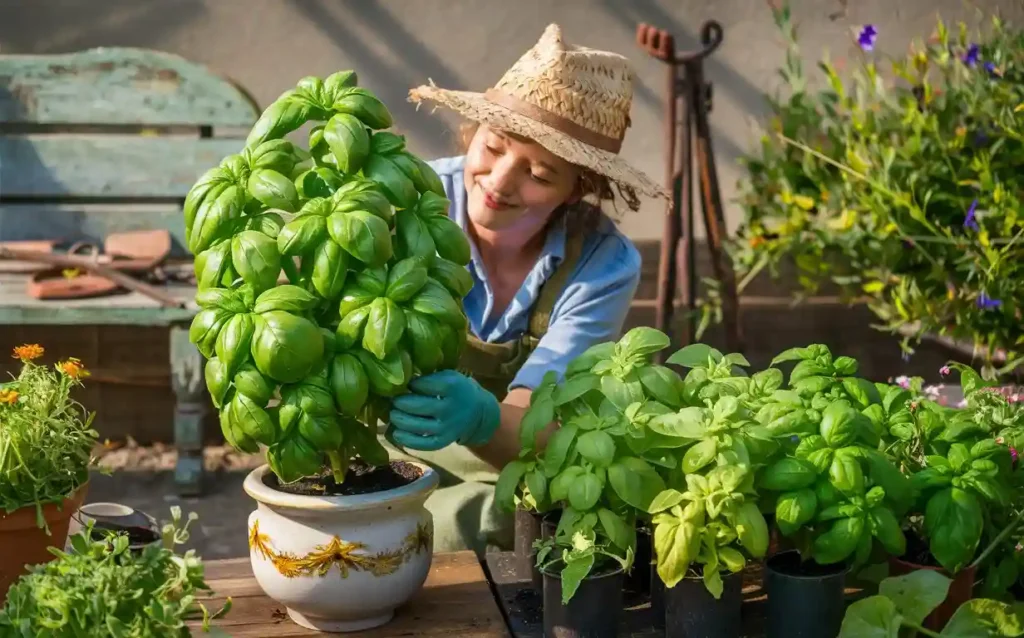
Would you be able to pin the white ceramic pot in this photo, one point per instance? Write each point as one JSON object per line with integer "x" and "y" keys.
{"x": 341, "y": 563}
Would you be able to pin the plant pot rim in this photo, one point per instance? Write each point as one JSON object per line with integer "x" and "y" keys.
{"x": 591, "y": 576}
{"x": 418, "y": 490}
{"x": 966, "y": 570}
{"x": 25, "y": 517}
{"x": 841, "y": 568}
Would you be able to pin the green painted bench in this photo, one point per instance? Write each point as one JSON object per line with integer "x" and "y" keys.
{"x": 109, "y": 140}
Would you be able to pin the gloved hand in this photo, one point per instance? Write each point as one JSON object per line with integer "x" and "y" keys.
{"x": 443, "y": 408}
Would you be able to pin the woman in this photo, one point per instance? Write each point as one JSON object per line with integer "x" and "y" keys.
{"x": 552, "y": 274}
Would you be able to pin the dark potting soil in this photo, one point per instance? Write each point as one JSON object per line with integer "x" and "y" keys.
{"x": 789, "y": 563}
{"x": 361, "y": 478}
{"x": 918, "y": 552}
{"x": 136, "y": 535}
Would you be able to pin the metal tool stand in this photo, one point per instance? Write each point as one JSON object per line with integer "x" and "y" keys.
{"x": 688, "y": 143}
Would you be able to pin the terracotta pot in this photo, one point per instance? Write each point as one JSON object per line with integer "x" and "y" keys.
{"x": 960, "y": 590}
{"x": 24, "y": 543}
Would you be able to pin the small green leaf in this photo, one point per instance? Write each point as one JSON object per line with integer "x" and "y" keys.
{"x": 695, "y": 356}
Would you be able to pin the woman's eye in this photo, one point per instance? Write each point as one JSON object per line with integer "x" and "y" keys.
{"x": 540, "y": 179}
{"x": 493, "y": 150}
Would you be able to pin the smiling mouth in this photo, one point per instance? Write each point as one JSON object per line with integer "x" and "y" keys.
{"x": 493, "y": 203}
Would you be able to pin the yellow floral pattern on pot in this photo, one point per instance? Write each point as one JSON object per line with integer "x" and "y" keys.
{"x": 348, "y": 556}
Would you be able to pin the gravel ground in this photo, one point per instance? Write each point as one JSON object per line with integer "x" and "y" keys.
{"x": 143, "y": 478}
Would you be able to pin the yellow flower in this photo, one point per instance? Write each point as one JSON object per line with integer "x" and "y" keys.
{"x": 28, "y": 352}
{"x": 73, "y": 368}
{"x": 70, "y": 273}
{"x": 8, "y": 397}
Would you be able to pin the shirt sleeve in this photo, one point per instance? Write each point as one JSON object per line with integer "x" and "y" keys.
{"x": 591, "y": 310}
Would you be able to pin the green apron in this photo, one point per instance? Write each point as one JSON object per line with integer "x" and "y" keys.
{"x": 465, "y": 515}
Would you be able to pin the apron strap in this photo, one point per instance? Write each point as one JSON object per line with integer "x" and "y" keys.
{"x": 540, "y": 315}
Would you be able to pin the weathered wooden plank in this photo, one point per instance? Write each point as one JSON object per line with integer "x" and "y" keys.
{"x": 89, "y": 222}
{"x": 18, "y": 308}
{"x": 107, "y": 166}
{"x": 118, "y": 86}
{"x": 456, "y": 600}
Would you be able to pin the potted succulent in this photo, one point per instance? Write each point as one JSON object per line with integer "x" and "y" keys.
{"x": 903, "y": 602}
{"x": 102, "y": 588}
{"x": 589, "y": 472}
{"x": 963, "y": 474}
{"x": 304, "y": 365}
{"x": 836, "y": 492}
{"x": 46, "y": 445}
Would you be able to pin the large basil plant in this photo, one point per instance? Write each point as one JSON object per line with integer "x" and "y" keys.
{"x": 835, "y": 491}
{"x": 708, "y": 521}
{"x": 374, "y": 273}
{"x": 593, "y": 467}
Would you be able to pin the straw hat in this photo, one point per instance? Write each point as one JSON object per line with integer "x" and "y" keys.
{"x": 571, "y": 100}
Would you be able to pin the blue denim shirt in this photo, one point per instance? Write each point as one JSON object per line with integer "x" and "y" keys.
{"x": 591, "y": 309}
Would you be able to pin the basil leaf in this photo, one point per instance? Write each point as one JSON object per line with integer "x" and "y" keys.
{"x": 286, "y": 298}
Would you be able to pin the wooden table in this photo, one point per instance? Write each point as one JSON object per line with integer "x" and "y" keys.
{"x": 456, "y": 601}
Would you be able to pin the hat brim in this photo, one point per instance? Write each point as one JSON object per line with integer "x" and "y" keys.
{"x": 476, "y": 107}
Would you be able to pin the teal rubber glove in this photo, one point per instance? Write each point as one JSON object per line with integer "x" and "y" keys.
{"x": 443, "y": 408}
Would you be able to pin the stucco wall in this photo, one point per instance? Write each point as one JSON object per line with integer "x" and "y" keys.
{"x": 394, "y": 44}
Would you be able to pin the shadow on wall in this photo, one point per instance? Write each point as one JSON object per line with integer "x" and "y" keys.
{"x": 374, "y": 21}
{"x": 722, "y": 76}
{"x": 72, "y": 25}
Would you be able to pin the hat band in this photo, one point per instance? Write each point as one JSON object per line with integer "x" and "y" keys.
{"x": 555, "y": 121}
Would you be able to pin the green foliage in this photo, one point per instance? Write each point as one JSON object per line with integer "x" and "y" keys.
{"x": 701, "y": 457}
{"x": 905, "y": 601}
{"x": 375, "y": 277}
{"x": 899, "y": 181}
{"x": 46, "y": 437}
{"x": 101, "y": 587}
{"x": 962, "y": 466}
{"x": 591, "y": 467}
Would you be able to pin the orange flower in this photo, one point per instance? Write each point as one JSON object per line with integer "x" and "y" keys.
{"x": 8, "y": 397}
{"x": 756, "y": 241}
{"x": 28, "y": 352}
{"x": 73, "y": 368}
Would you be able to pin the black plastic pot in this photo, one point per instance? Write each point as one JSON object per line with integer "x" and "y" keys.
{"x": 805, "y": 599}
{"x": 638, "y": 580}
{"x": 527, "y": 531}
{"x": 657, "y": 600}
{"x": 593, "y": 611}
{"x": 549, "y": 524}
{"x": 692, "y": 612}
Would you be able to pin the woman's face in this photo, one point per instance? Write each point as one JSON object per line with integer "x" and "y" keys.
{"x": 515, "y": 184}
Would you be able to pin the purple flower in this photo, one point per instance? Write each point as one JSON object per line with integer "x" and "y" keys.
{"x": 944, "y": 370}
{"x": 971, "y": 57}
{"x": 969, "y": 220}
{"x": 990, "y": 67}
{"x": 867, "y": 37}
{"x": 987, "y": 303}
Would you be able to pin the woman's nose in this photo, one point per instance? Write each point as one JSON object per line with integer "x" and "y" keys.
{"x": 503, "y": 178}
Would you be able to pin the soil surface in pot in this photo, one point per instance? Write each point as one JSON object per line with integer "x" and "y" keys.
{"x": 361, "y": 478}
{"x": 918, "y": 552}
{"x": 789, "y": 563}
{"x": 136, "y": 535}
